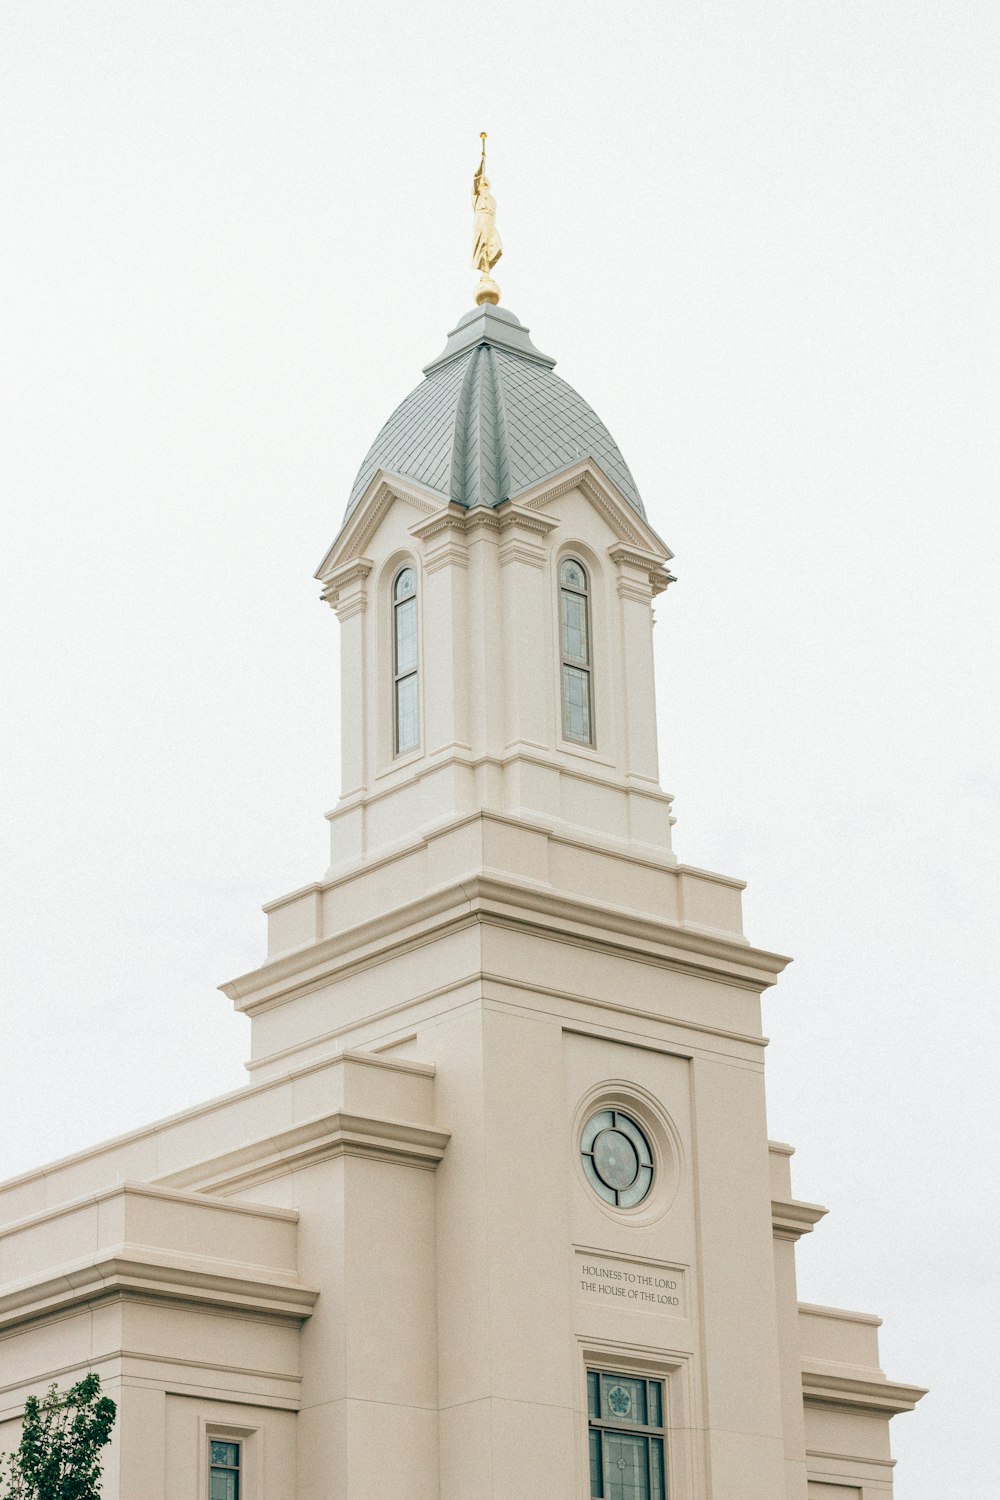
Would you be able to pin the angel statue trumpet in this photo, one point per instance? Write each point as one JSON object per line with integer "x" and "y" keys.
{"x": 486, "y": 246}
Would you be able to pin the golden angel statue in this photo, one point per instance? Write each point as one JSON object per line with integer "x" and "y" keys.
{"x": 486, "y": 246}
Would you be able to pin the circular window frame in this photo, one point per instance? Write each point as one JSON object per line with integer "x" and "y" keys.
{"x": 601, "y": 1126}
{"x": 661, "y": 1135}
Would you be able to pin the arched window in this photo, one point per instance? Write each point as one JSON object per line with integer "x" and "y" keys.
{"x": 405, "y": 705}
{"x": 574, "y": 635}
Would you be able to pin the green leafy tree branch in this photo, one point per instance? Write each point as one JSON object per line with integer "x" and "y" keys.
{"x": 61, "y": 1441}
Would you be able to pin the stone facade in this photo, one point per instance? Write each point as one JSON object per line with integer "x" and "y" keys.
{"x": 385, "y": 1269}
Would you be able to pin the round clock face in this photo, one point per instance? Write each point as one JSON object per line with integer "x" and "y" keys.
{"x": 617, "y": 1158}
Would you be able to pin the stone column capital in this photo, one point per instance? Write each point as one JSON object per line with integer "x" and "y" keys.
{"x": 346, "y": 590}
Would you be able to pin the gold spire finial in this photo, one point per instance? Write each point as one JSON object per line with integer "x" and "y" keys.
{"x": 486, "y": 246}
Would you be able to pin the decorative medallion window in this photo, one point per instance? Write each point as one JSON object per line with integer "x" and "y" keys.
{"x": 223, "y": 1471}
{"x": 626, "y": 1437}
{"x": 617, "y": 1158}
{"x": 574, "y": 636}
{"x": 406, "y": 708}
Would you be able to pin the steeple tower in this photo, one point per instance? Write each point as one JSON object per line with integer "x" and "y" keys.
{"x": 497, "y": 1215}
{"x": 486, "y": 479}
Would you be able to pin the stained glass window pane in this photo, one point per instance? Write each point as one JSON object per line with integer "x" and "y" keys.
{"x": 603, "y": 1120}
{"x": 628, "y": 1127}
{"x": 572, "y": 576}
{"x": 574, "y": 640}
{"x": 406, "y": 583}
{"x": 407, "y": 719}
{"x": 224, "y": 1485}
{"x": 406, "y": 636}
{"x": 226, "y": 1453}
{"x": 601, "y": 1188}
{"x": 626, "y": 1476}
{"x": 574, "y": 627}
{"x": 623, "y": 1400}
{"x": 596, "y": 1476}
{"x": 576, "y": 704}
{"x": 630, "y": 1196}
{"x": 657, "y": 1487}
{"x": 625, "y": 1464}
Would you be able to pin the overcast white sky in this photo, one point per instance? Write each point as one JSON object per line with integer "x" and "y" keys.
{"x": 762, "y": 240}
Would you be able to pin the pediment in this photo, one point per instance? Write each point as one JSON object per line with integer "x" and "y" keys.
{"x": 590, "y": 479}
{"x": 382, "y": 492}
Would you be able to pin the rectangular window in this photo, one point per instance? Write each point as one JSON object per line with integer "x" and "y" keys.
{"x": 407, "y": 716}
{"x": 574, "y": 627}
{"x": 406, "y": 637}
{"x": 574, "y": 643}
{"x": 576, "y": 704}
{"x": 626, "y": 1437}
{"x": 223, "y": 1471}
{"x": 405, "y": 707}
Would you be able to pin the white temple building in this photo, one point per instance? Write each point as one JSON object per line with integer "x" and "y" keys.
{"x": 496, "y": 1216}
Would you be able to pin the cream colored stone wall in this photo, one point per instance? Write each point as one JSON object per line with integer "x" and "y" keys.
{"x": 380, "y": 1267}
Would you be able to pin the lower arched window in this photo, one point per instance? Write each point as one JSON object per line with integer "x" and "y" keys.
{"x": 405, "y": 695}
{"x": 575, "y": 648}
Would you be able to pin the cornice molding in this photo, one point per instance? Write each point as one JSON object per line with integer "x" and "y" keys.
{"x": 854, "y": 1459}
{"x": 451, "y": 518}
{"x": 839, "y": 1314}
{"x": 504, "y": 900}
{"x": 791, "y": 1218}
{"x": 825, "y": 1386}
{"x": 346, "y": 590}
{"x": 511, "y": 514}
{"x": 649, "y": 564}
{"x": 320, "y": 1139}
{"x": 337, "y": 1062}
{"x": 137, "y": 1271}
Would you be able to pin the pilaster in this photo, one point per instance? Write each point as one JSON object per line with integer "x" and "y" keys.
{"x": 485, "y": 658}
{"x": 524, "y": 629}
{"x": 641, "y": 576}
{"x": 347, "y": 592}
{"x": 445, "y": 566}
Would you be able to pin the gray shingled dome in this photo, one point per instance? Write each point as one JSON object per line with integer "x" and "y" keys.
{"x": 490, "y": 419}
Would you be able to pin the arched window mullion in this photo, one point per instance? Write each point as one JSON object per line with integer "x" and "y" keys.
{"x": 405, "y": 663}
{"x": 576, "y": 670}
